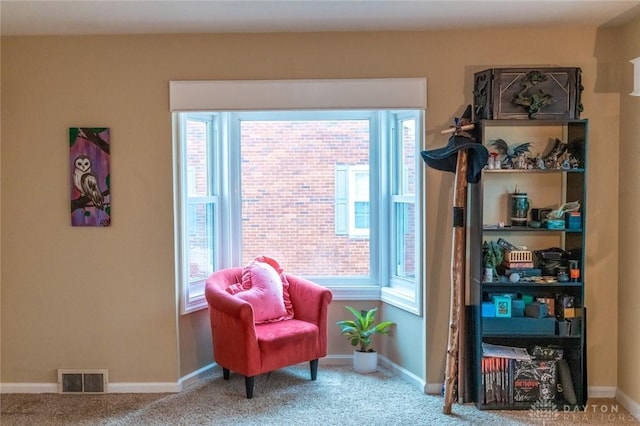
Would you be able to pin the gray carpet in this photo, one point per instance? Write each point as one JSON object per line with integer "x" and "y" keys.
{"x": 284, "y": 397}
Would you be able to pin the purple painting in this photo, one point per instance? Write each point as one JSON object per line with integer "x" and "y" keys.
{"x": 90, "y": 179}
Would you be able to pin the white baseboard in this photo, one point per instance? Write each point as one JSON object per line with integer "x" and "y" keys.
{"x": 151, "y": 387}
{"x": 28, "y": 388}
{"x": 434, "y": 388}
{"x": 405, "y": 374}
{"x": 111, "y": 388}
{"x": 195, "y": 376}
{"x": 632, "y": 406}
{"x": 602, "y": 391}
{"x": 337, "y": 360}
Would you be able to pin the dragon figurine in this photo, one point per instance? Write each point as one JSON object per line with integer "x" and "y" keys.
{"x": 533, "y": 102}
{"x": 510, "y": 153}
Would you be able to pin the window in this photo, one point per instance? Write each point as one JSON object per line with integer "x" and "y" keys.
{"x": 331, "y": 194}
{"x": 359, "y": 210}
{"x": 352, "y": 210}
{"x": 404, "y": 233}
{"x": 198, "y": 202}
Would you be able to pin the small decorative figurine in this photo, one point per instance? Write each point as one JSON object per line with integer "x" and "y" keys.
{"x": 510, "y": 154}
{"x": 575, "y": 163}
{"x": 557, "y": 150}
{"x": 522, "y": 161}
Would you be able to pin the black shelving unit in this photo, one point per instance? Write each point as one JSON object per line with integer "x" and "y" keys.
{"x": 488, "y": 219}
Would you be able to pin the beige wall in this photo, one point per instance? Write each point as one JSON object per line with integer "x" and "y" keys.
{"x": 106, "y": 297}
{"x": 628, "y": 289}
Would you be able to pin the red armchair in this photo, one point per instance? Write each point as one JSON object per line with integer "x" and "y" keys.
{"x": 251, "y": 349}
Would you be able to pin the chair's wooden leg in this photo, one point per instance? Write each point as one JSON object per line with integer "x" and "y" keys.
{"x": 314, "y": 368}
{"x": 225, "y": 373}
{"x": 248, "y": 384}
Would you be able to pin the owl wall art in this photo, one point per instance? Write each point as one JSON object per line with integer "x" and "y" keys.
{"x": 90, "y": 180}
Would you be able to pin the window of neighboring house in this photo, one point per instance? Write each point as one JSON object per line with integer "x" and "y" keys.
{"x": 331, "y": 194}
{"x": 359, "y": 210}
{"x": 352, "y": 206}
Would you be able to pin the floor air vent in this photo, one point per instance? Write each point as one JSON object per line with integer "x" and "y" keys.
{"x": 82, "y": 381}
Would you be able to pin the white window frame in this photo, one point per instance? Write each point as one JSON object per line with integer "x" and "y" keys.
{"x": 401, "y": 291}
{"x": 379, "y": 94}
{"x": 192, "y": 292}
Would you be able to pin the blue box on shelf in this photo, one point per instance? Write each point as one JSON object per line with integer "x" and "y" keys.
{"x": 503, "y": 306}
{"x": 573, "y": 220}
{"x": 488, "y": 309}
{"x": 517, "y": 308}
{"x": 554, "y": 223}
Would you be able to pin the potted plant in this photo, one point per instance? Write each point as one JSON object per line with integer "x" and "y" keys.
{"x": 359, "y": 332}
{"x": 491, "y": 257}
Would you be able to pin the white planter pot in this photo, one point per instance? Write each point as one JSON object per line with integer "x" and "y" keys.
{"x": 365, "y": 362}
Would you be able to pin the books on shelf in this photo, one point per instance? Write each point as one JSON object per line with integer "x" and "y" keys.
{"x": 510, "y": 375}
{"x": 496, "y": 380}
{"x": 533, "y": 380}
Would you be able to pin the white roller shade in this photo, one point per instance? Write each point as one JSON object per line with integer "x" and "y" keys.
{"x": 257, "y": 95}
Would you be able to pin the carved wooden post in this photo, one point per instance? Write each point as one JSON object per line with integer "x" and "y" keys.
{"x": 466, "y": 158}
{"x": 456, "y": 309}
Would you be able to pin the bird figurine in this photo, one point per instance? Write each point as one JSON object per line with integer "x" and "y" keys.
{"x": 510, "y": 154}
{"x": 86, "y": 182}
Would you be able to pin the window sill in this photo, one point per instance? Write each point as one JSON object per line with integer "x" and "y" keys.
{"x": 404, "y": 300}
{"x": 355, "y": 292}
{"x": 194, "y": 306}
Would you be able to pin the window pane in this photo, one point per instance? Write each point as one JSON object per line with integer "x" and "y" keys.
{"x": 359, "y": 201}
{"x": 200, "y": 241}
{"x": 288, "y": 194}
{"x": 405, "y": 244}
{"x": 362, "y": 214}
{"x": 362, "y": 186}
{"x": 197, "y": 158}
{"x": 408, "y": 175}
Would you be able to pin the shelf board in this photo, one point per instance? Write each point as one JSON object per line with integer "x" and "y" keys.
{"x": 496, "y": 228}
{"x": 527, "y": 336}
{"x": 516, "y": 405}
{"x": 533, "y": 171}
{"x": 530, "y": 284}
{"x": 513, "y": 122}
{"x": 506, "y": 406}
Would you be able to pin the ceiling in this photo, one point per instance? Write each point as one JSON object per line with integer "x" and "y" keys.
{"x": 57, "y": 17}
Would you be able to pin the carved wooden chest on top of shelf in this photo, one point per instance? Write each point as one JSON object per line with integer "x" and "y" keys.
{"x": 527, "y": 93}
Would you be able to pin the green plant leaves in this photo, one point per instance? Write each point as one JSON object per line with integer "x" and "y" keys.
{"x": 360, "y": 330}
